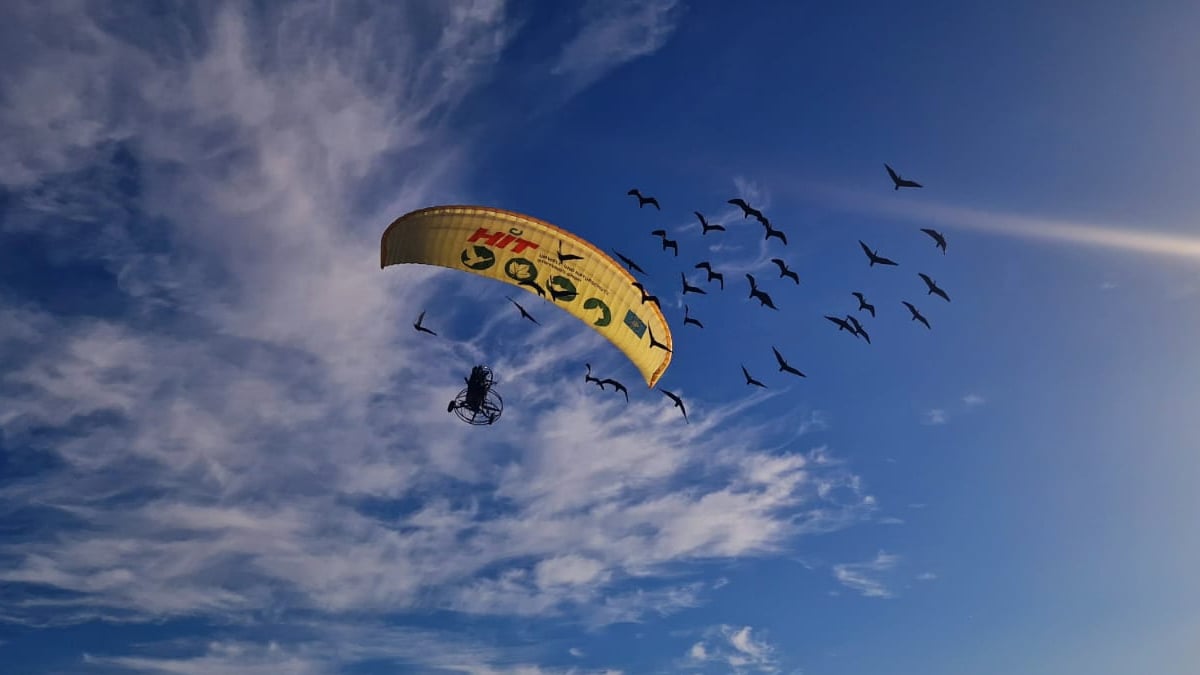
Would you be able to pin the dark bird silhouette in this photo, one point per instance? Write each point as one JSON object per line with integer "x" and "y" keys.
{"x": 420, "y": 327}
{"x": 525, "y": 314}
{"x": 933, "y": 288}
{"x": 588, "y": 377}
{"x": 772, "y": 232}
{"x": 565, "y": 294}
{"x": 900, "y": 182}
{"x": 646, "y": 297}
{"x": 706, "y": 227}
{"x": 784, "y": 271}
{"x": 711, "y": 274}
{"x": 530, "y": 283}
{"x": 678, "y": 402}
{"x": 842, "y": 324}
{"x": 655, "y": 343}
{"x": 784, "y": 367}
{"x": 747, "y": 210}
{"x": 642, "y": 201}
{"x": 764, "y": 300}
{"x": 939, "y": 240}
{"x": 750, "y": 381}
{"x": 666, "y": 243}
{"x": 875, "y": 258}
{"x": 615, "y": 385}
{"x": 629, "y": 263}
{"x": 688, "y": 288}
{"x": 566, "y": 257}
{"x": 863, "y": 304}
{"x": 916, "y": 316}
{"x": 858, "y": 329}
{"x": 687, "y": 318}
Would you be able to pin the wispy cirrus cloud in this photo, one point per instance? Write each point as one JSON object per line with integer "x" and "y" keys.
{"x": 865, "y": 577}
{"x": 935, "y": 416}
{"x": 941, "y": 415}
{"x": 614, "y": 32}
{"x": 325, "y": 648}
{"x": 735, "y": 648}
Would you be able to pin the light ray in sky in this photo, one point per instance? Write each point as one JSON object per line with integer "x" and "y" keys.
{"x": 1115, "y": 237}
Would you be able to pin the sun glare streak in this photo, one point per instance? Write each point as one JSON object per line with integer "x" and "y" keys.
{"x": 1016, "y": 225}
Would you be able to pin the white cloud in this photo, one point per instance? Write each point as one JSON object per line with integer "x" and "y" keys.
{"x": 615, "y": 32}
{"x": 926, "y": 576}
{"x": 734, "y": 647}
{"x": 324, "y": 649}
{"x": 570, "y": 570}
{"x": 935, "y": 416}
{"x": 972, "y": 400}
{"x": 864, "y": 576}
{"x": 576, "y": 652}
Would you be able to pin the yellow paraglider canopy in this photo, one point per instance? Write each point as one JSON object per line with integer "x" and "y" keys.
{"x": 525, "y": 252}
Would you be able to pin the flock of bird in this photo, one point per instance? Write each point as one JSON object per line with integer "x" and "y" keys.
{"x": 849, "y": 323}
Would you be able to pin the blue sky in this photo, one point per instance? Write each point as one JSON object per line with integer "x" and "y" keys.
{"x": 223, "y": 449}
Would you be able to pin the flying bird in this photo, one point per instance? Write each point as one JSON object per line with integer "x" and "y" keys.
{"x": 530, "y": 283}
{"x": 642, "y": 201}
{"x": 687, "y": 318}
{"x": 900, "y": 182}
{"x": 666, "y": 243}
{"x": 420, "y": 327}
{"x": 566, "y": 257}
{"x": 784, "y": 367}
{"x": 750, "y": 381}
{"x": 772, "y": 232}
{"x": 875, "y": 258}
{"x": 863, "y": 304}
{"x": 747, "y": 210}
{"x": 646, "y": 297}
{"x": 916, "y": 316}
{"x": 524, "y": 313}
{"x": 678, "y": 402}
{"x": 688, "y": 288}
{"x": 842, "y": 324}
{"x": 616, "y": 386}
{"x": 711, "y": 274}
{"x": 588, "y": 377}
{"x": 764, "y": 300}
{"x": 858, "y": 329}
{"x": 933, "y": 287}
{"x": 655, "y": 343}
{"x": 939, "y": 240}
{"x": 784, "y": 271}
{"x": 629, "y": 263}
{"x": 706, "y": 227}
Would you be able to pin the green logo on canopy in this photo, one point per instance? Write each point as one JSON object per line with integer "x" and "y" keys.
{"x": 635, "y": 323}
{"x": 605, "y": 312}
{"x": 520, "y": 269}
{"x": 478, "y": 257}
{"x": 562, "y": 288}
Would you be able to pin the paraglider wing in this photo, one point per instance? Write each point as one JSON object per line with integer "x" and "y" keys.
{"x": 523, "y": 251}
